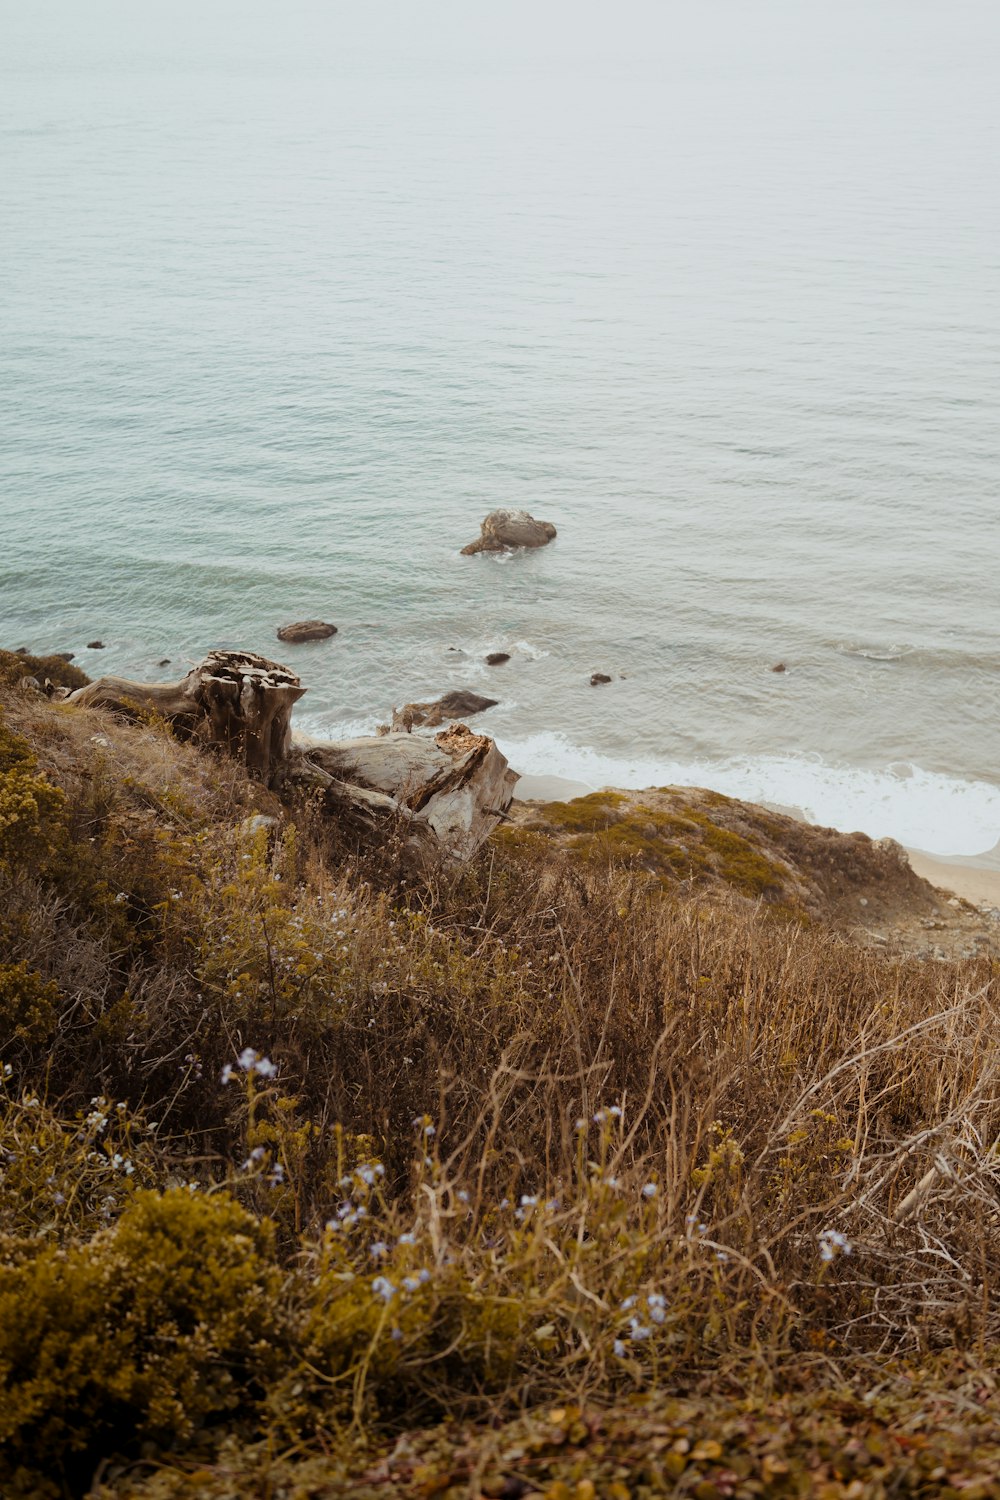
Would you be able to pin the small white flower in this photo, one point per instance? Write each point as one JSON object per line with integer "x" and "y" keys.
{"x": 383, "y": 1287}
{"x": 266, "y": 1068}
{"x": 226, "y": 1073}
{"x": 407, "y": 1238}
{"x": 627, "y": 1303}
{"x": 462, "y": 1195}
{"x": 649, "y": 1190}
{"x": 638, "y": 1331}
{"x": 832, "y": 1243}
{"x": 410, "y": 1283}
{"x": 377, "y": 1249}
{"x": 247, "y": 1058}
{"x": 619, "y": 1349}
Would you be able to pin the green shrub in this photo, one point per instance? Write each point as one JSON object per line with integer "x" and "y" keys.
{"x": 145, "y": 1333}
{"x": 31, "y": 808}
{"x": 28, "y": 1006}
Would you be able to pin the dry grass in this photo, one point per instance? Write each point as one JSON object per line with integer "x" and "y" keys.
{"x": 523, "y": 1094}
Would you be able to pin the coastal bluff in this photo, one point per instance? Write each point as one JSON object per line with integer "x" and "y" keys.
{"x": 690, "y": 840}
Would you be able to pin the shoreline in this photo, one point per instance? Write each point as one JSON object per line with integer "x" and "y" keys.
{"x": 974, "y": 878}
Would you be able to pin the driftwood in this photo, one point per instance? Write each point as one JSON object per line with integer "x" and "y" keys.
{"x": 450, "y": 790}
{"x": 233, "y": 700}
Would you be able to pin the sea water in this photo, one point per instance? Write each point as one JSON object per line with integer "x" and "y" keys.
{"x": 290, "y": 297}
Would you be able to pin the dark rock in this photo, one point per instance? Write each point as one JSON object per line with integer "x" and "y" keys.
{"x": 63, "y": 655}
{"x": 497, "y": 658}
{"x": 165, "y": 662}
{"x": 779, "y": 666}
{"x": 598, "y": 677}
{"x": 504, "y": 529}
{"x": 306, "y": 630}
{"x": 457, "y": 705}
{"x": 95, "y": 645}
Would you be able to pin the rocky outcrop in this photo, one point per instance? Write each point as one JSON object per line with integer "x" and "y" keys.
{"x": 497, "y": 658}
{"x": 301, "y": 631}
{"x": 687, "y": 838}
{"x": 598, "y": 678}
{"x": 457, "y": 705}
{"x": 505, "y": 529}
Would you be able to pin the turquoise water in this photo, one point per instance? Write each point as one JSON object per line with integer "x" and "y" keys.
{"x": 289, "y": 301}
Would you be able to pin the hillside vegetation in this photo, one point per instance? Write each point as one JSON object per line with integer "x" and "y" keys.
{"x": 323, "y": 1176}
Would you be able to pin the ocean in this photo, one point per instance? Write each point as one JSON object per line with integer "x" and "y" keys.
{"x": 291, "y": 297}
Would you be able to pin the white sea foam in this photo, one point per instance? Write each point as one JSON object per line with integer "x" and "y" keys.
{"x": 939, "y": 814}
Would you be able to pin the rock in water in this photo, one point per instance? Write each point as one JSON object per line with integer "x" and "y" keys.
{"x": 503, "y": 529}
{"x": 457, "y": 705}
{"x": 95, "y": 645}
{"x": 597, "y": 678}
{"x": 497, "y": 658}
{"x": 306, "y": 630}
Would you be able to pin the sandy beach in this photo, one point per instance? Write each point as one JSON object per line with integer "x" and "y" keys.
{"x": 967, "y": 878}
{"x": 974, "y": 879}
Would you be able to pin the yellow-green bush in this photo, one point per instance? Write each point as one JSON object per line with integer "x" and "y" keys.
{"x": 31, "y": 808}
{"x": 28, "y": 1006}
{"x": 148, "y": 1331}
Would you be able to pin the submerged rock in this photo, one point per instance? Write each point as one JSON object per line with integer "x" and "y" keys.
{"x": 95, "y": 645}
{"x": 504, "y": 529}
{"x": 306, "y": 630}
{"x": 457, "y": 705}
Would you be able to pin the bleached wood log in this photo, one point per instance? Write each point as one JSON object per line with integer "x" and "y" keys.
{"x": 455, "y": 785}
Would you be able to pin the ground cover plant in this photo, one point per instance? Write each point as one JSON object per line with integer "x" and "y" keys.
{"x": 317, "y": 1172}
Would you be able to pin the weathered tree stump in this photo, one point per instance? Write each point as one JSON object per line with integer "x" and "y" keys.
{"x": 233, "y": 700}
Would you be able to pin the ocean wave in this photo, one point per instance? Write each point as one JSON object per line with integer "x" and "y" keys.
{"x": 938, "y": 814}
